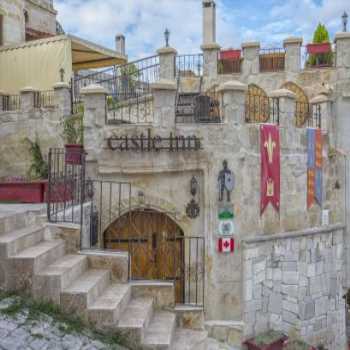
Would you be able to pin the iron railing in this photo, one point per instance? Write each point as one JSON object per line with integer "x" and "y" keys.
{"x": 302, "y": 113}
{"x": 130, "y": 80}
{"x": 44, "y": 99}
{"x": 230, "y": 66}
{"x": 123, "y": 109}
{"x": 11, "y": 103}
{"x": 199, "y": 107}
{"x": 315, "y": 119}
{"x": 272, "y": 60}
{"x": 262, "y": 109}
{"x": 189, "y": 65}
{"x": 66, "y": 185}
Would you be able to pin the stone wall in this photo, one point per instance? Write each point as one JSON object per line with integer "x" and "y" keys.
{"x": 42, "y": 124}
{"x": 41, "y": 16}
{"x": 13, "y": 21}
{"x": 164, "y": 179}
{"x": 294, "y": 281}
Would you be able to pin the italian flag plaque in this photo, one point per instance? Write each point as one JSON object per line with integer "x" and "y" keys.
{"x": 226, "y": 245}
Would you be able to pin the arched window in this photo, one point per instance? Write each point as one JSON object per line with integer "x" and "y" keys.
{"x": 302, "y": 106}
{"x": 257, "y": 105}
{"x": 26, "y": 17}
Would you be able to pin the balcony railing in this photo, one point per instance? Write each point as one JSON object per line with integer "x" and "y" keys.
{"x": 262, "y": 109}
{"x": 131, "y": 79}
{"x": 44, "y": 99}
{"x": 198, "y": 107}
{"x": 272, "y": 60}
{"x": 124, "y": 109}
{"x": 11, "y": 103}
{"x": 189, "y": 65}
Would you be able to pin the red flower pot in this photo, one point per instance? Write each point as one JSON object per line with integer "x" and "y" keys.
{"x": 230, "y": 54}
{"x": 315, "y": 49}
{"x": 275, "y": 345}
{"x": 23, "y": 191}
{"x": 74, "y": 154}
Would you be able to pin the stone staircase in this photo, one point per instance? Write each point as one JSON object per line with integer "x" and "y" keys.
{"x": 34, "y": 260}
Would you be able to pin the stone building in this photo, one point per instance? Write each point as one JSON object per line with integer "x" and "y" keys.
{"x": 23, "y": 20}
{"x": 160, "y": 142}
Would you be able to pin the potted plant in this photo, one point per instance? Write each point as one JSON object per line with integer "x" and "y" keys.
{"x": 295, "y": 343}
{"x": 73, "y": 134}
{"x": 320, "y": 50}
{"x": 271, "y": 340}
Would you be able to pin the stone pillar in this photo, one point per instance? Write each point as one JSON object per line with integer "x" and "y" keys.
{"x": 251, "y": 63}
{"x": 94, "y": 100}
{"x": 234, "y": 94}
{"x": 210, "y": 58}
{"x": 164, "y": 94}
{"x": 293, "y": 54}
{"x": 286, "y": 100}
{"x": 120, "y": 44}
{"x": 167, "y": 61}
{"x": 209, "y": 22}
{"x": 342, "y": 41}
{"x": 27, "y": 99}
{"x": 63, "y": 99}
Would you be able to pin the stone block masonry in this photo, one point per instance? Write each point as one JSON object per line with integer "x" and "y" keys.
{"x": 296, "y": 283}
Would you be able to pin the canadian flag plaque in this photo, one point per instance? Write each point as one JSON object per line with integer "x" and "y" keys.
{"x": 226, "y": 245}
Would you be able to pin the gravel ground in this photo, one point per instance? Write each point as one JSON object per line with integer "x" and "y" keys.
{"x": 20, "y": 331}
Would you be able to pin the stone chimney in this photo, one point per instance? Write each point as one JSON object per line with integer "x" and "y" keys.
{"x": 209, "y": 22}
{"x": 120, "y": 44}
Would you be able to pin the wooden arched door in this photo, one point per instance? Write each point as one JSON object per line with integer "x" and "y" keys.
{"x": 302, "y": 108}
{"x": 155, "y": 244}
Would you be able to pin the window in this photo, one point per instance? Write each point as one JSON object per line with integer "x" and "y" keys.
{"x": 1, "y": 30}
{"x": 26, "y": 17}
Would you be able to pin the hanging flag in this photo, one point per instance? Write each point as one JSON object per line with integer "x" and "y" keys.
{"x": 270, "y": 167}
{"x": 315, "y": 165}
{"x": 226, "y": 245}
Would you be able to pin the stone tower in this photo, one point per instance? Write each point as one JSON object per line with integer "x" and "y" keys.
{"x": 209, "y": 22}
{"x": 120, "y": 44}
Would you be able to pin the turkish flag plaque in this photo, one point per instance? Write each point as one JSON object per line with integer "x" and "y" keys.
{"x": 270, "y": 167}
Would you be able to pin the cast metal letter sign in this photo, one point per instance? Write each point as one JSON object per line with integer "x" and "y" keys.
{"x": 149, "y": 143}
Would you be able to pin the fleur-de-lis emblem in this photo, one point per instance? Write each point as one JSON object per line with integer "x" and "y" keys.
{"x": 270, "y": 145}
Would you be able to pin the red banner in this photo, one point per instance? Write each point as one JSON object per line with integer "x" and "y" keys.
{"x": 270, "y": 167}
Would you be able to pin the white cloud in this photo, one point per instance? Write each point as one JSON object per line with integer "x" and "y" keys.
{"x": 144, "y": 21}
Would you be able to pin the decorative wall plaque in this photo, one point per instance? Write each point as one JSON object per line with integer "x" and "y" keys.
{"x": 226, "y": 183}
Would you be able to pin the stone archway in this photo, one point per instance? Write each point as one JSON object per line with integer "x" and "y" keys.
{"x": 155, "y": 244}
{"x": 302, "y": 111}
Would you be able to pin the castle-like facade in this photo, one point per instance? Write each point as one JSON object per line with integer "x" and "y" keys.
{"x": 185, "y": 135}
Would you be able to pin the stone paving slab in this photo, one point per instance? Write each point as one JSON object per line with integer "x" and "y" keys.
{"x": 11, "y": 209}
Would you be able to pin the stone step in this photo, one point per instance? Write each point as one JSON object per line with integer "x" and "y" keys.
{"x": 189, "y": 317}
{"x": 14, "y": 222}
{"x": 84, "y": 291}
{"x": 135, "y": 319}
{"x": 187, "y": 339}
{"x": 106, "y": 311}
{"x": 159, "y": 334}
{"x": 30, "y": 261}
{"x": 14, "y": 242}
{"x": 52, "y": 280}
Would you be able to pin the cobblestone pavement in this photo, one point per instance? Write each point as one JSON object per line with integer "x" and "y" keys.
{"x": 18, "y": 332}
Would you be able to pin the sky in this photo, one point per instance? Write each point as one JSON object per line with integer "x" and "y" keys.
{"x": 143, "y": 22}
